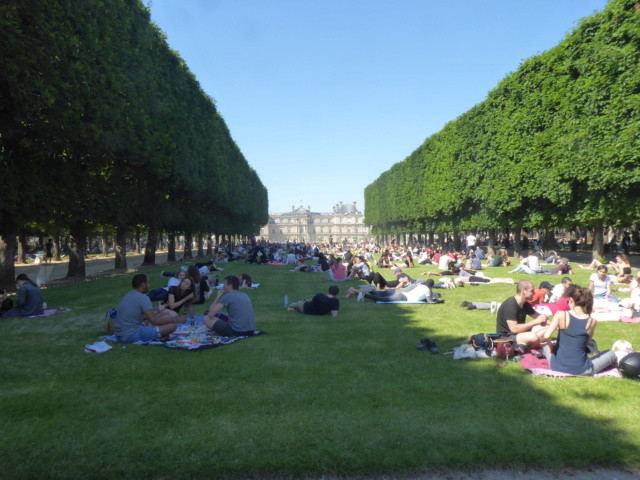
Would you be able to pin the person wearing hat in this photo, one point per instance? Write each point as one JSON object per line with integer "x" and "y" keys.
{"x": 541, "y": 294}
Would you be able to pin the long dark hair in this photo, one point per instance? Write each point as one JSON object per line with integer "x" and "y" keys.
{"x": 25, "y": 278}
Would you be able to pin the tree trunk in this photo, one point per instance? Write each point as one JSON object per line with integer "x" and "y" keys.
{"x": 150, "y": 247}
{"x": 491, "y": 242}
{"x": 8, "y": 246}
{"x": 121, "y": 248}
{"x": 598, "y": 241}
{"x": 209, "y": 245}
{"x": 517, "y": 242}
{"x": 56, "y": 246}
{"x": 549, "y": 239}
{"x": 77, "y": 247}
{"x": 22, "y": 246}
{"x": 188, "y": 242}
{"x": 200, "y": 245}
{"x": 171, "y": 246}
{"x": 457, "y": 241}
{"x": 138, "y": 247}
{"x": 105, "y": 243}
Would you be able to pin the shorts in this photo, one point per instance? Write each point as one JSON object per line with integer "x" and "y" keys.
{"x": 224, "y": 329}
{"x": 145, "y": 334}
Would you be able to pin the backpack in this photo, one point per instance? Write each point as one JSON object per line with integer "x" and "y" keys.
{"x": 111, "y": 321}
{"x": 482, "y": 341}
{"x": 505, "y": 349}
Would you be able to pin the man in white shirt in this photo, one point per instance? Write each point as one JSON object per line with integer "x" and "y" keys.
{"x": 471, "y": 243}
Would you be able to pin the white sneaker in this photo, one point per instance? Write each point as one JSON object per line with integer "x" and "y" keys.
{"x": 361, "y": 297}
{"x": 494, "y": 307}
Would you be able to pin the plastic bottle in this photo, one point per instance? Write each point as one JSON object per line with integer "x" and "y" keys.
{"x": 286, "y": 301}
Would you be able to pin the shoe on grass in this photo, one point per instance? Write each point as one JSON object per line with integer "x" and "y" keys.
{"x": 465, "y": 304}
{"x": 425, "y": 344}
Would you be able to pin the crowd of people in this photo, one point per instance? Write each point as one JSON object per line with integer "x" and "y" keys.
{"x": 530, "y": 318}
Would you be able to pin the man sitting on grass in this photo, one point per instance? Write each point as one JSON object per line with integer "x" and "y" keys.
{"x": 320, "y": 304}
{"x": 136, "y": 319}
{"x": 240, "y": 321}
{"x": 512, "y": 315}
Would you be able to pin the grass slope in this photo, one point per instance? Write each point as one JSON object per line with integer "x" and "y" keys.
{"x": 349, "y": 395}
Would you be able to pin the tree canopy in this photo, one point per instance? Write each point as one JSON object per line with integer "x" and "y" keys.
{"x": 556, "y": 143}
{"x": 100, "y": 121}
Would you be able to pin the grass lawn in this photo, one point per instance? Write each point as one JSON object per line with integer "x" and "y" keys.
{"x": 318, "y": 395}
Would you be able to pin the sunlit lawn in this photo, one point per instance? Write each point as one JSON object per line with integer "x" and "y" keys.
{"x": 318, "y": 395}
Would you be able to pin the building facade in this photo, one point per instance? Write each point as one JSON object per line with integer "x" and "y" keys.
{"x": 343, "y": 224}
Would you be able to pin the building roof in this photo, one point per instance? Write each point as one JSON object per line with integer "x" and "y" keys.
{"x": 340, "y": 208}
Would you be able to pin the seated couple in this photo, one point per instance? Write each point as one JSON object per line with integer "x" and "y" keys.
{"x": 136, "y": 319}
{"x": 575, "y": 327}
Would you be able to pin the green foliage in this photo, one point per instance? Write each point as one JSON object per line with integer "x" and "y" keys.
{"x": 555, "y": 143}
{"x": 92, "y": 94}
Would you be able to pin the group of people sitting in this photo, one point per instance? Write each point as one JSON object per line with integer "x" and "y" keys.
{"x": 138, "y": 321}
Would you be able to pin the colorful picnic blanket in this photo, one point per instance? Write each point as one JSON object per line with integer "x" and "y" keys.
{"x": 192, "y": 339}
{"x": 405, "y": 301}
{"x": 50, "y": 312}
{"x": 540, "y": 366}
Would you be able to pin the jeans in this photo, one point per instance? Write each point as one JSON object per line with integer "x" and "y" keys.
{"x": 386, "y": 296}
{"x": 525, "y": 269}
{"x": 145, "y": 334}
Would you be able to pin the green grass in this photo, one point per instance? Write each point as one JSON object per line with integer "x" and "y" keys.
{"x": 318, "y": 395}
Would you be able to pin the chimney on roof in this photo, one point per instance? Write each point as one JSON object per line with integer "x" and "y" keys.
{"x": 309, "y": 207}
{"x": 293, "y": 208}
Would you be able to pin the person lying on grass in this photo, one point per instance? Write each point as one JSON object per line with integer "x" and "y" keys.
{"x": 466, "y": 277}
{"x": 320, "y": 304}
{"x": 136, "y": 319}
{"x": 240, "y": 320}
{"x": 417, "y": 292}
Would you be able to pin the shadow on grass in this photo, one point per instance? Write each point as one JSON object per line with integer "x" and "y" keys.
{"x": 349, "y": 395}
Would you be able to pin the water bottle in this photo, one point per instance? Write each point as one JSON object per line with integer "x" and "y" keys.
{"x": 286, "y": 301}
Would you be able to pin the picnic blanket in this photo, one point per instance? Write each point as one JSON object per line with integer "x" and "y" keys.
{"x": 221, "y": 286}
{"x": 540, "y": 366}
{"x": 192, "y": 339}
{"x": 406, "y": 301}
{"x": 50, "y": 312}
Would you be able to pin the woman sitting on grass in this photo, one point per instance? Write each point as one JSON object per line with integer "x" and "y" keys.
{"x": 29, "y": 301}
{"x": 575, "y": 329}
{"x": 600, "y": 283}
{"x": 183, "y": 296}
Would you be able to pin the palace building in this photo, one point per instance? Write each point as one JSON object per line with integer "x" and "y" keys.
{"x": 343, "y": 224}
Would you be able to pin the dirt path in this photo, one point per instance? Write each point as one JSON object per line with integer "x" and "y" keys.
{"x": 58, "y": 270}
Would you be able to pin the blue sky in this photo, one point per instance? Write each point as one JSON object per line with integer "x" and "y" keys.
{"x": 323, "y": 96}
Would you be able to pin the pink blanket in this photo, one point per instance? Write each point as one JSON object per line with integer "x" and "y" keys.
{"x": 540, "y": 366}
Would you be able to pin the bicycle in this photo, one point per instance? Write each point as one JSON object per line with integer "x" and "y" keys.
{"x": 544, "y": 254}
